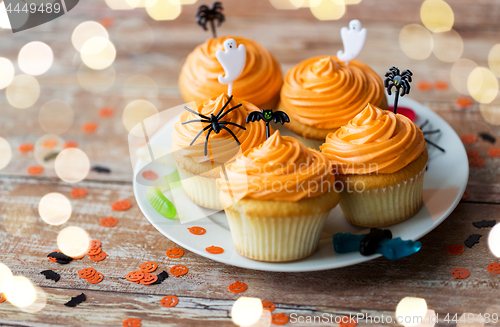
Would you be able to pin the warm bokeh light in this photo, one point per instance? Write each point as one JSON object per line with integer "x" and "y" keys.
{"x": 19, "y": 219}
{"x": 415, "y": 41}
{"x": 246, "y": 311}
{"x": 73, "y": 241}
{"x": 411, "y": 309}
{"x": 20, "y": 292}
{"x": 6, "y": 153}
{"x": 327, "y": 9}
{"x": 491, "y": 112}
{"x": 140, "y": 86}
{"x": 56, "y": 117}
{"x": 118, "y": 5}
{"x": 493, "y": 60}
{"x": 134, "y": 36}
{"x": 85, "y": 31}
{"x": 459, "y": 74}
{"x": 43, "y": 150}
{"x": 286, "y": 4}
{"x": 188, "y": 2}
{"x": 6, "y": 72}
{"x": 140, "y": 111}
{"x": 96, "y": 81}
{"x": 39, "y": 303}
{"x": 72, "y": 165}
{"x": 494, "y": 240}
{"x": 5, "y": 277}
{"x": 136, "y": 3}
{"x": 352, "y": 2}
{"x": 35, "y": 58}
{"x": 23, "y": 92}
{"x": 163, "y": 9}
{"x": 98, "y": 53}
{"x": 448, "y": 46}
{"x": 54, "y": 209}
{"x": 482, "y": 85}
{"x": 437, "y": 16}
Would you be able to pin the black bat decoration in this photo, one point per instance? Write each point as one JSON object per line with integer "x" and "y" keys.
{"x": 60, "y": 257}
{"x": 100, "y": 169}
{"x": 268, "y": 115}
{"x": 472, "y": 240}
{"x": 215, "y": 123}
{"x": 50, "y": 274}
{"x": 76, "y": 300}
{"x": 484, "y": 223}
{"x": 394, "y": 78}
{"x": 369, "y": 243}
{"x": 488, "y": 137}
{"x": 161, "y": 277}
{"x": 50, "y": 156}
{"x": 205, "y": 15}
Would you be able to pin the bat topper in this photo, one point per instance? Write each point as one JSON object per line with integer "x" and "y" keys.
{"x": 268, "y": 115}
{"x": 232, "y": 60}
{"x": 353, "y": 39}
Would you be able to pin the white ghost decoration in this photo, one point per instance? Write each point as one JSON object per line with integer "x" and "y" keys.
{"x": 353, "y": 39}
{"x": 232, "y": 60}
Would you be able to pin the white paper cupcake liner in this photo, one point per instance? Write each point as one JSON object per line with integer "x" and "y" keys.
{"x": 201, "y": 190}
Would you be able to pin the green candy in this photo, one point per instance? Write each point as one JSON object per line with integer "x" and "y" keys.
{"x": 160, "y": 203}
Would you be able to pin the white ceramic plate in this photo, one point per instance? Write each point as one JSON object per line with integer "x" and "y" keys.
{"x": 444, "y": 184}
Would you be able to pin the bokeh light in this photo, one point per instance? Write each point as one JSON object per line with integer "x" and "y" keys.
{"x": 246, "y": 311}
{"x": 42, "y": 150}
{"x": 136, "y": 3}
{"x": 4, "y": 18}
{"x": 482, "y": 85}
{"x": 139, "y": 86}
{"x": 459, "y": 74}
{"x": 73, "y": 241}
{"x": 118, "y": 5}
{"x": 54, "y": 209}
{"x": 39, "y": 303}
{"x": 98, "y": 53}
{"x": 493, "y": 59}
{"x": 188, "y": 2}
{"x": 448, "y": 46}
{"x": 35, "y": 58}
{"x": 327, "y": 9}
{"x": 5, "y": 277}
{"x": 72, "y": 165}
{"x": 411, "y": 309}
{"x": 85, "y": 31}
{"x": 163, "y": 9}
{"x": 7, "y": 72}
{"x": 56, "y": 117}
{"x": 437, "y": 16}
{"x": 138, "y": 111}
{"x": 96, "y": 81}
{"x": 491, "y": 112}
{"x": 134, "y": 36}
{"x": 19, "y": 219}
{"x": 286, "y": 4}
{"x": 20, "y": 292}
{"x": 23, "y": 92}
{"x": 494, "y": 240}
{"x": 6, "y": 152}
{"x": 415, "y": 41}
{"x": 352, "y": 2}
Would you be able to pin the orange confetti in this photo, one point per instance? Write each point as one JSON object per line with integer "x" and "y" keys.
{"x": 121, "y": 205}
{"x": 35, "y": 170}
{"x": 106, "y": 112}
{"x": 269, "y": 306}
{"x": 86, "y": 272}
{"x": 70, "y": 144}
{"x": 466, "y": 195}
{"x": 50, "y": 143}
{"x": 237, "y": 287}
{"x": 98, "y": 257}
{"x": 279, "y": 318}
{"x": 132, "y": 322}
{"x": 94, "y": 251}
{"x": 95, "y": 244}
{"x": 476, "y": 162}
{"x": 78, "y": 192}
{"x": 174, "y": 253}
{"x": 150, "y": 175}
{"x": 463, "y": 102}
{"x": 493, "y": 267}
{"x": 97, "y": 278}
{"x": 26, "y": 147}
{"x": 178, "y": 270}
{"x": 109, "y": 222}
{"x": 135, "y": 276}
{"x": 106, "y": 22}
{"x": 214, "y": 249}
{"x": 473, "y": 154}
{"x": 89, "y": 127}
{"x": 148, "y": 267}
{"x": 441, "y": 85}
{"x": 424, "y": 86}
{"x": 494, "y": 152}
{"x": 148, "y": 279}
{"x": 2, "y": 298}
{"x": 196, "y": 230}
{"x": 348, "y": 322}
{"x": 460, "y": 273}
{"x": 169, "y": 301}
{"x": 468, "y": 139}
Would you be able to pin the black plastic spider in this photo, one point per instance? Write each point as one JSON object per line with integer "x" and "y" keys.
{"x": 215, "y": 124}
{"x": 205, "y": 15}
{"x": 399, "y": 80}
{"x": 431, "y": 132}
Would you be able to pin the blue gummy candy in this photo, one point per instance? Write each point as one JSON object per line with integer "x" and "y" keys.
{"x": 345, "y": 243}
{"x": 396, "y": 248}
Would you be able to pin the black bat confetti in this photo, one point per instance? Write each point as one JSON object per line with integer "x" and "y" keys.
{"x": 50, "y": 274}
{"x": 101, "y": 170}
{"x": 472, "y": 240}
{"x": 484, "y": 223}
{"x": 268, "y": 115}
{"x": 76, "y": 300}
{"x": 61, "y": 258}
{"x": 488, "y": 137}
{"x": 50, "y": 156}
{"x": 161, "y": 277}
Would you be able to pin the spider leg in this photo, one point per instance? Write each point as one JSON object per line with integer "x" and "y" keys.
{"x": 424, "y": 124}
{"x": 196, "y": 113}
{"x": 230, "y": 123}
{"x": 206, "y": 141}
{"x": 223, "y": 107}
{"x": 196, "y": 121}
{"x": 407, "y": 73}
{"x": 405, "y": 87}
{"x": 228, "y": 111}
{"x": 206, "y": 127}
{"x": 389, "y": 88}
{"x": 395, "y": 70}
{"x": 435, "y": 145}
{"x": 390, "y": 75}
{"x": 432, "y": 132}
{"x": 386, "y": 81}
{"x": 232, "y": 134}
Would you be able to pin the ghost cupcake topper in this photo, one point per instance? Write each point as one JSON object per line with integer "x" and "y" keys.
{"x": 212, "y": 14}
{"x": 353, "y": 39}
{"x": 232, "y": 60}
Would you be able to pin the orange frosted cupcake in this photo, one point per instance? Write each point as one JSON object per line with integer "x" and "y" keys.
{"x": 259, "y": 83}
{"x": 380, "y": 158}
{"x": 198, "y": 171}
{"x": 321, "y": 94}
{"x": 277, "y": 198}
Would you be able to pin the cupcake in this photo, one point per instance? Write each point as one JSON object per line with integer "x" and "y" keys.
{"x": 198, "y": 172}
{"x": 277, "y": 198}
{"x": 380, "y": 158}
{"x": 259, "y": 83}
{"x": 321, "y": 94}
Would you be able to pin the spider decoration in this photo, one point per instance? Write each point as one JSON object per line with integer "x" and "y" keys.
{"x": 205, "y": 15}
{"x": 394, "y": 78}
{"x": 431, "y": 132}
{"x": 215, "y": 123}
{"x": 268, "y": 115}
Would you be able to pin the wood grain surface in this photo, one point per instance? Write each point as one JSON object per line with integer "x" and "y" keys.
{"x": 372, "y": 288}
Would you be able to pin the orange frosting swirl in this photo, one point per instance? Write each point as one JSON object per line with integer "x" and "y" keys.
{"x": 259, "y": 83}
{"x": 221, "y": 147}
{"x": 280, "y": 169}
{"x": 324, "y": 93}
{"x": 375, "y": 141}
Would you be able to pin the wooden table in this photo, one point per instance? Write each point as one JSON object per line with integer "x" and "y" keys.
{"x": 373, "y": 288}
